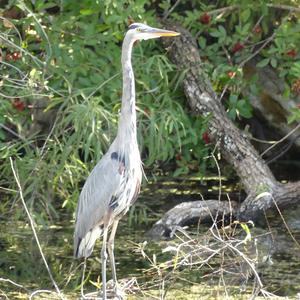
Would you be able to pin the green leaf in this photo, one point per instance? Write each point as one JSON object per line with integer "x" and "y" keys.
{"x": 286, "y": 92}
{"x": 247, "y": 231}
{"x": 263, "y": 63}
{"x": 245, "y": 14}
{"x": 2, "y": 135}
{"x": 232, "y": 114}
{"x": 222, "y": 30}
{"x": 295, "y": 69}
{"x": 244, "y": 108}
{"x": 273, "y": 62}
{"x": 48, "y": 5}
{"x": 202, "y": 42}
{"x": 180, "y": 171}
{"x": 294, "y": 116}
{"x": 246, "y": 28}
{"x": 233, "y": 100}
{"x": 215, "y": 33}
{"x": 87, "y": 11}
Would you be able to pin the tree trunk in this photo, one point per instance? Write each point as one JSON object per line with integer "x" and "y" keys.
{"x": 256, "y": 177}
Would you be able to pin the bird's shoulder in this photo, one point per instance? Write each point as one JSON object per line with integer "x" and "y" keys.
{"x": 102, "y": 183}
{"x": 105, "y": 176}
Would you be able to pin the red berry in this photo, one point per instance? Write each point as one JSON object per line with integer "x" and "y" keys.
{"x": 291, "y": 53}
{"x": 237, "y": 47}
{"x": 8, "y": 57}
{"x": 205, "y": 138}
{"x": 205, "y": 18}
{"x": 18, "y": 104}
{"x": 257, "y": 29}
{"x": 231, "y": 74}
{"x": 178, "y": 156}
{"x": 296, "y": 87}
{"x": 16, "y": 55}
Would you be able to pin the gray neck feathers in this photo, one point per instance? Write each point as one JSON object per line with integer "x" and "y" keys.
{"x": 127, "y": 121}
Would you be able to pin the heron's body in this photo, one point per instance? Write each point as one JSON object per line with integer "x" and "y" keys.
{"x": 116, "y": 189}
{"x": 114, "y": 183}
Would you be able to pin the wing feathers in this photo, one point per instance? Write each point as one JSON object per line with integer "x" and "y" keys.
{"x": 112, "y": 186}
{"x": 93, "y": 204}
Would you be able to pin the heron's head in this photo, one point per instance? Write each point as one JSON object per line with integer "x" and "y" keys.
{"x": 139, "y": 31}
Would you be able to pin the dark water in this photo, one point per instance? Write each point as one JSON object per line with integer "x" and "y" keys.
{"x": 20, "y": 260}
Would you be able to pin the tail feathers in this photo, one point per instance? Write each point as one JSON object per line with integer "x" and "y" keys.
{"x": 84, "y": 246}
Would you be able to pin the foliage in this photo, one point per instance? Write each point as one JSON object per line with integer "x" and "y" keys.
{"x": 228, "y": 36}
{"x": 61, "y": 60}
{"x": 68, "y": 58}
{"x": 61, "y": 88}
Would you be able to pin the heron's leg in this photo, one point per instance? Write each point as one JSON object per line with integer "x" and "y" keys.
{"x": 110, "y": 248}
{"x": 103, "y": 260}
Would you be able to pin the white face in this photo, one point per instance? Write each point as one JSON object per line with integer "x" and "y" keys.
{"x": 140, "y": 31}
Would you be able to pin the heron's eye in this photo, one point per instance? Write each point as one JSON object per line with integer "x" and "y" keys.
{"x": 139, "y": 29}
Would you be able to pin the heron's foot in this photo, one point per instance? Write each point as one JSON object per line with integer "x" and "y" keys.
{"x": 110, "y": 294}
{"x": 115, "y": 291}
{"x": 128, "y": 286}
{"x": 119, "y": 290}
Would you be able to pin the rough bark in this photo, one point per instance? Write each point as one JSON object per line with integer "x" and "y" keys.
{"x": 186, "y": 212}
{"x": 255, "y": 175}
{"x": 270, "y": 103}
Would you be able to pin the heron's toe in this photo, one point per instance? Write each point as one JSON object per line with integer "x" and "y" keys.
{"x": 119, "y": 293}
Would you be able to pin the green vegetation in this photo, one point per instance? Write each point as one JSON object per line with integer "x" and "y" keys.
{"x": 61, "y": 67}
{"x": 68, "y": 65}
{"x": 61, "y": 87}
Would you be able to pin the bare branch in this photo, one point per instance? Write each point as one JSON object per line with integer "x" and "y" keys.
{"x": 33, "y": 229}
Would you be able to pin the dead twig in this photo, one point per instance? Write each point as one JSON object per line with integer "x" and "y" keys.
{"x": 281, "y": 140}
{"x": 33, "y": 229}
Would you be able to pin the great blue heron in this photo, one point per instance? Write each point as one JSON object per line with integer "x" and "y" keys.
{"x": 114, "y": 183}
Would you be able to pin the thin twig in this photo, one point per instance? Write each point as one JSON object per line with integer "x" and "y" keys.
{"x": 23, "y": 96}
{"x": 33, "y": 229}
{"x": 101, "y": 85}
{"x": 242, "y": 63}
{"x": 223, "y": 10}
{"x": 24, "y": 7}
{"x": 281, "y": 140}
{"x": 11, "y": 44}
{"x": 166, "y": 15}
{"x": 284, "y": 222}
{"x": 283, "y": 150}
{"x": 267, "y": 41}
{"x": 15, "y": 68}
{"x": 245, "y": 258}
{"x": 215, "y": 219}
{"x": 284, "y": 7}
{"x": 13, "y": 283}
{"x": 39, "y": 292}
{"x": 12, "y": 132}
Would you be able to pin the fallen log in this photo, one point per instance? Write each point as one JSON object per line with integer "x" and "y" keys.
{"x": 190, "y": 212}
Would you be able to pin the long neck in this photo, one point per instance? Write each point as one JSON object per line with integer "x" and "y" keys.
{"x": 127, "y": 121}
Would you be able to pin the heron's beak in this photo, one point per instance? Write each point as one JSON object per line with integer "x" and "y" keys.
{"x": 161, "y": 32}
